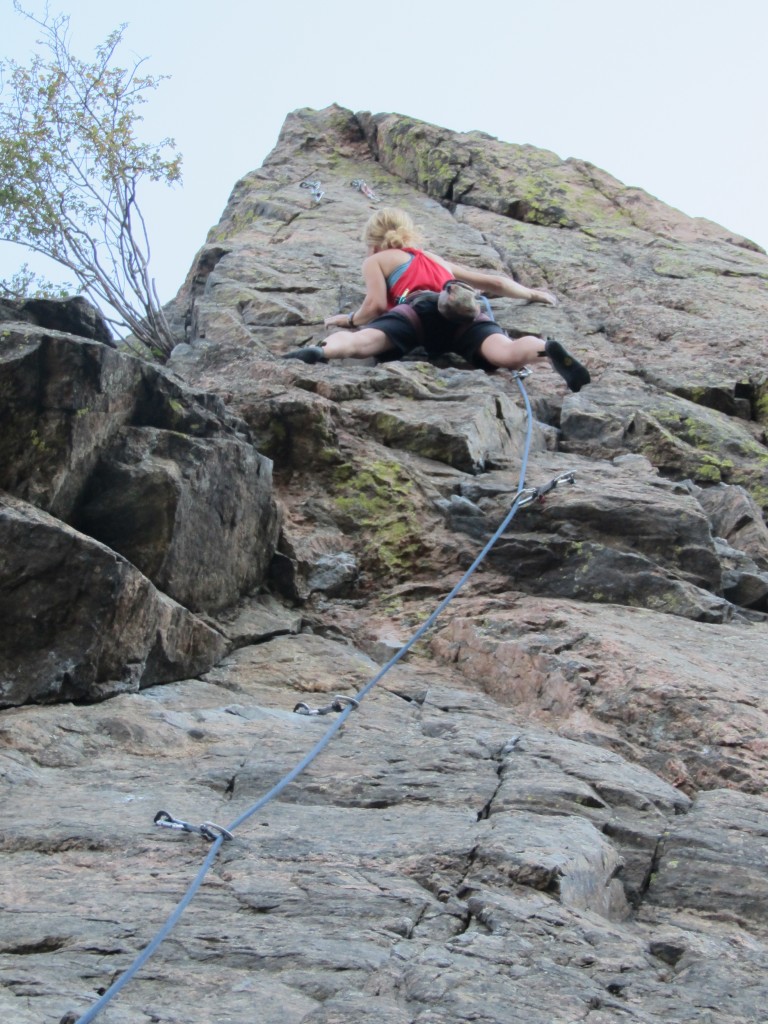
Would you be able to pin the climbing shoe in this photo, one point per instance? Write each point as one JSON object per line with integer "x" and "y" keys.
{"x": 309, "y": 354}
{"x": 570, "y": 369}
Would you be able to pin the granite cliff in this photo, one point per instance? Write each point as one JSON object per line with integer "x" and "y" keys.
{"x": 553, "y": 808}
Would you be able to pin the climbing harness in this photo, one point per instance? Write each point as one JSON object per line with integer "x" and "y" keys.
{"x": 316, "y": 189}
{"x": 338, "y": 703}
{"x": 216, "y": 834}
{"x": 365, "y": 188}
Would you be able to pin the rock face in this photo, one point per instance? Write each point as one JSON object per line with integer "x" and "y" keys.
{"x": 128, "y": 503}
{"x": 553, "y": 808}
{"x": 73, "y": 316}
{"x": 83, "y": 623}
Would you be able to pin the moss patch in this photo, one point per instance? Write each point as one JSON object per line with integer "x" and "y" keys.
{"x": 760, "y": 404}
{"x": 378, "y": 501}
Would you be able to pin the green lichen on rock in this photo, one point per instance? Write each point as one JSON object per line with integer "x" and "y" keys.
{"x": 694, "y": 431}
{"x": 295, "y": 431}
{"x": 291, "y": 448}
{"x": 760, "y": 403}
{"x": 707, "y": 446}
{"x": 668, "y": 442}
{"x": 414, "y": 156}
{"x": 759, "y": 492}
{"x": 708, "y": 471}
{"x": 378, "y": 500}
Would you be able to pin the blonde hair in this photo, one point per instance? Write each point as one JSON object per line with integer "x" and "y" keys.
{"x": 391, "y": 228}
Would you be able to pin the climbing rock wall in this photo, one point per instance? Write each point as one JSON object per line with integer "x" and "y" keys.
{"x": 552, "y": 809}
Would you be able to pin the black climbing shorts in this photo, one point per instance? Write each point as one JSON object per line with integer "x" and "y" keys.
{"x": 419, "y": 325}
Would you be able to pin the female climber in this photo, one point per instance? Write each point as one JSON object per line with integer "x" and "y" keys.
{"x": 414, "y": 299}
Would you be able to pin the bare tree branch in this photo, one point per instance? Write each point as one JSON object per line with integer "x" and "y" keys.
{"x": 70, "y": 170}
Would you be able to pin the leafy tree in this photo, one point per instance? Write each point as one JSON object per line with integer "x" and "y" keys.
{"x": 70, "y": 168}
{"x": 26, "y": 284}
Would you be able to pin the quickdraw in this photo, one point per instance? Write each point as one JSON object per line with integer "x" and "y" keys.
{"x": 315, "y": 187}
{"x": 208, "y": 830}
{"x": 338, "y": 703}
{"x": 531, "y": 494}
{"x": 365, "y": 188}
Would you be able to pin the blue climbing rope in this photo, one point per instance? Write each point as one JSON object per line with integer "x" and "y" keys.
{"x": 220, "y": 835}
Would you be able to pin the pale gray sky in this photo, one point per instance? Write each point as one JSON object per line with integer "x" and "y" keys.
{"x": 667, "y": 95}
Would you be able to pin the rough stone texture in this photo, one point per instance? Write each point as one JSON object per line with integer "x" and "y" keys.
{"x": 553, "y": 808}
{"x": 82, "y": 623}
{"x": 73, "y": 316}
{"x": 195, "y": 515}
{"x": 440, "y": 861}
{"x": 682, "y": 439}
{"x": 117, "y": 451}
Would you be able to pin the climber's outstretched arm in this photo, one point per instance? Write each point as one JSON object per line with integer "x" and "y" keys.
{"x": 500, "y": 285}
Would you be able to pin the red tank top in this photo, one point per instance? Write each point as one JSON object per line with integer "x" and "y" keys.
{"x": 420, "y": 273}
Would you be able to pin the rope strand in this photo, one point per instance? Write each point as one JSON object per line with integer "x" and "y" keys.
{"x": 521, "y": 497}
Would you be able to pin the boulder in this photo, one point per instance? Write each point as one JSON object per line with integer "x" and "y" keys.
{"x": 195, "y": 515}
{"x": 125, "y": 453}
{"x": 80, "y": 622}
{"x": 72, "y": 316}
